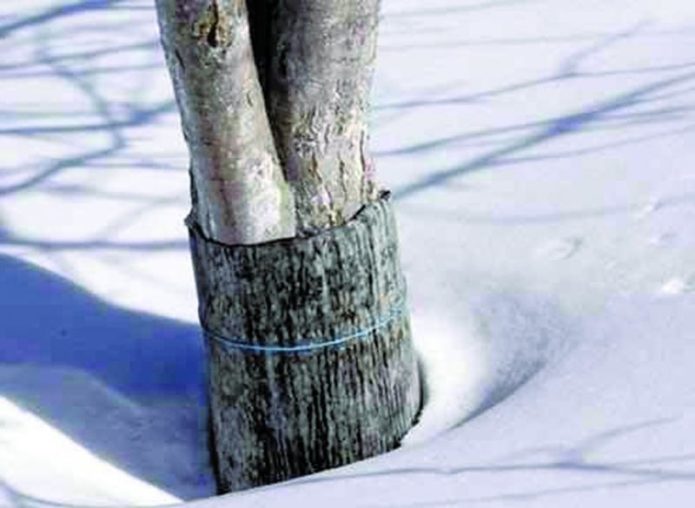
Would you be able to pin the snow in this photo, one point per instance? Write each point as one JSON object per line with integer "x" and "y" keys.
{"x": 541, "y": 157}
{"x": 28, "y": 438}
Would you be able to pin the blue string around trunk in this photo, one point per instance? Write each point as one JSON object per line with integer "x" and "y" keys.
{"x": 239, "y": 343}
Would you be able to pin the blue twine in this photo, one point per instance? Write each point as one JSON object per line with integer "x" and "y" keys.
{"x": 237, "y": 343}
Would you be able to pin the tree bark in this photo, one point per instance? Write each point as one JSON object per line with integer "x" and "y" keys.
{"x": 316, "y": 60}
{"x": 300, "y": 289}
{"x": 239, "y": 193}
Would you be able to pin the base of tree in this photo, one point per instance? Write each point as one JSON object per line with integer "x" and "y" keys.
{"x": 309, "y": 346}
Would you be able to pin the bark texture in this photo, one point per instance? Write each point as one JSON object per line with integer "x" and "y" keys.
{"x": 316, "y": 60}
{"x": 239, "y": 192}
{"x": 319, "y": 403}
{"x": 301, "y": 297}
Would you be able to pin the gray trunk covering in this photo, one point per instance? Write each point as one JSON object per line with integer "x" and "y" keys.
{"x": 311, "y": 360}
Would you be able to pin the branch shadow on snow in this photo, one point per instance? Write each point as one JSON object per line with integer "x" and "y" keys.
{"x": 109, "y": 377}
{"x": 127, "y": 386}
{"x": 96, "y": 130}
{"x": 662, "y": 100}
{"x": 572, "y": 459}
{"x": 449, "y": 10}
{"x": 546, "y": 131}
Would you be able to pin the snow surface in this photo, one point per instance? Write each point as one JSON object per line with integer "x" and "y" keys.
{"x": 541, "y": 153}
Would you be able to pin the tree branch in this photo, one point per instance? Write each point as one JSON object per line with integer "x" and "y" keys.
{"x": 316, "y": 60}
{"x": 239, "y": 192}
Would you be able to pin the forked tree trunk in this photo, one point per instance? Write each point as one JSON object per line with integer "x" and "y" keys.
{"x": 301, "y": 294}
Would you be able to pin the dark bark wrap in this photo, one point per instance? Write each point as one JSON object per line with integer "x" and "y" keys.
{"x": 346, "y": 385}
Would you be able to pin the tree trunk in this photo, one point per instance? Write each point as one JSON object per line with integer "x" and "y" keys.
{"x": 239, "y": 193}
{"x": 316, "y": 60}
{"x": 312, "y": 360}
{"x": 300, "y": 289}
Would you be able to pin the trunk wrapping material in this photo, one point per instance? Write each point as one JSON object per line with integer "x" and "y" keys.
{"x": 311, "y": 359}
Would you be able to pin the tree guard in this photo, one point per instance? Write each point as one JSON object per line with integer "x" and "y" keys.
{"x": 311, "y": 360}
